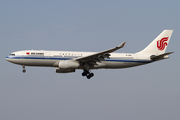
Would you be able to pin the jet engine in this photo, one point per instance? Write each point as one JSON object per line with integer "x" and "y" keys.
{"x": 66, "y": 66}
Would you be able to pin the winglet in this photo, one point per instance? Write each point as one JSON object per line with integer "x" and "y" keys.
{"x": 122, "y": 45}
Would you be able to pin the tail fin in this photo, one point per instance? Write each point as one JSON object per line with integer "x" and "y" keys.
{"x": 159, "y": 44}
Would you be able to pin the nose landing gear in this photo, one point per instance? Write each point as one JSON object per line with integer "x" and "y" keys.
{"x": 24, "y": 70}
{"x": 87, "y": 74}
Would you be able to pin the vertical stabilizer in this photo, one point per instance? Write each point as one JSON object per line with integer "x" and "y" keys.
{"x": 159, "y": 44}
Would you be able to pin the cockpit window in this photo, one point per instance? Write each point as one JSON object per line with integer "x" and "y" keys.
{"x": 12, "y": 54}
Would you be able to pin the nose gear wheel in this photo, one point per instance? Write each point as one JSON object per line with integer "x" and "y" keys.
{"x": 24, "y": 70}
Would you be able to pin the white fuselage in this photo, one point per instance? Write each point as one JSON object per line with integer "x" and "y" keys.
{"x": 52, "y": 58}
{"x": 69, "y": 61}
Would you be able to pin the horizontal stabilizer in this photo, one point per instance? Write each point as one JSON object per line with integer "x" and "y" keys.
{"x": 160, "y": 57}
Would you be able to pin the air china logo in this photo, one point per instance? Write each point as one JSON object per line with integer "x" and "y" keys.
{"x": 161, "y": 44}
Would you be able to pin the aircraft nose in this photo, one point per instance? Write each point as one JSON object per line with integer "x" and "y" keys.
{"x": 7, "y": 58}
{"x": 11, "y": 59}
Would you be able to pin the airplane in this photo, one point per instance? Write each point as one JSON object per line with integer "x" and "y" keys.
{"x": 69, "y": 61}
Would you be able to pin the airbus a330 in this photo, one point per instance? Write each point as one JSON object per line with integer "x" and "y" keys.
{"x": 69, "y": 61}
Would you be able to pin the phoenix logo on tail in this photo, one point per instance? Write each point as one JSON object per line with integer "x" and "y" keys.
{"x": 162, "y": 43}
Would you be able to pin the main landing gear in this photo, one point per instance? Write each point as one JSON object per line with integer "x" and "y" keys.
{"x": 24, "y": 70}
{"x": 87, "y": 74}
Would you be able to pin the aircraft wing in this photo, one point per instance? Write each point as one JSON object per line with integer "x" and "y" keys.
{"x": 97, "y": 57}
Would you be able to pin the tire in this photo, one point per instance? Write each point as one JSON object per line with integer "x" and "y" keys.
{"x": 92, "y": 74}
{"x": 23, "y": 70}
{"x": 89, "y": 76}
{"x": 84, "y": 74}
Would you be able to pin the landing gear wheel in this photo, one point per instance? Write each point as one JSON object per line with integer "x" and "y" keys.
{"x": 90, "y": 75}
{"x": 23, "y": 70}
{"x": 85, "y": 73}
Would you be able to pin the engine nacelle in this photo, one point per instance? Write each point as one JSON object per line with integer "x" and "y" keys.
{"x": 67, "y": 64}
{"x": 59, "y": 70}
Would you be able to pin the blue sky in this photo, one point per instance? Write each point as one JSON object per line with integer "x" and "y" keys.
{"x": 145, "y": 92}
